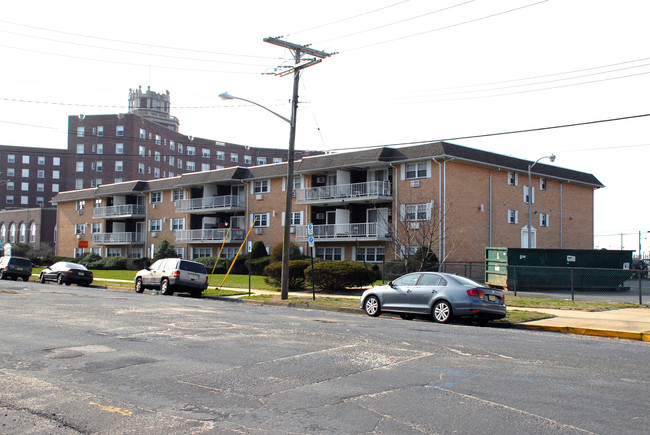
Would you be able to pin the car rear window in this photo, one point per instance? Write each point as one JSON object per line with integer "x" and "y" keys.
{"x": 21, "y": 262}
{"x": 193, "y": 267}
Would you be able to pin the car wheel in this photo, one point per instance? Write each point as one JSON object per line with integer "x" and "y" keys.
{"x": 25, "y": 278}
{"x": 42, "y": 278}
{"x": 442, "y": 312}
{"x": 2, "y": 274}
{"x": 164, "y": 288}
{"x": 196, "y": 293}
{"x": 406, "y": 316}
{"x": 139, "y": 288}
{"x": 59, "y": 280}
{"x": 372, "y": 306}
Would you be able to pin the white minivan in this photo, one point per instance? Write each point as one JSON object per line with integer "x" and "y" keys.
{"x": 173, "y": 274}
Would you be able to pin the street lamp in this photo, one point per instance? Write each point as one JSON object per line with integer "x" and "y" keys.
{"x": 530, "y": 197}
{"x": 284, "y": 289}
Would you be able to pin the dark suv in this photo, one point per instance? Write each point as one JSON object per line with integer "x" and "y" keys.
{"x": 15, "y": 267}
{"x": 173, "y": 274}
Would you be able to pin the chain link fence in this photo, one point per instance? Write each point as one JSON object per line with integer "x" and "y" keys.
{"x": 587, "y": 284}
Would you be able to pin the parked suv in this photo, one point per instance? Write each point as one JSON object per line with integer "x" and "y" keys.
{"x": 173, "y": 274}
{"x": 15, "y": 267}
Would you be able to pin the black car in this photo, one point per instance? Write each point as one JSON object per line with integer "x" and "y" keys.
{"x": 67, "y": 273}
{"x": 15, "y": 267}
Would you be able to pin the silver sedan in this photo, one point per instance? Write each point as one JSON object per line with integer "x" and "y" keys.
{"x": 440, "y": 295}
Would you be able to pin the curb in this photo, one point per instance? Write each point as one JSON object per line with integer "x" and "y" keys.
{"x": 642, "y": 336}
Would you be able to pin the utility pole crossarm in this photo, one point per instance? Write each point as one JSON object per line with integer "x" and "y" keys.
{"x": 302, "y": 48}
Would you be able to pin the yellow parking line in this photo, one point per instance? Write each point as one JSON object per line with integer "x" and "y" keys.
{"x": 124, "y": 412}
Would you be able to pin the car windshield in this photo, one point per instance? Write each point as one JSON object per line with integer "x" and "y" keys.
{"x": 21, "y": 262}
{"x": 193, "y": 267}
{"x": 465, "y": 281}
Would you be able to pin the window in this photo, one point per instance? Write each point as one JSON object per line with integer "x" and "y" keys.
{"x": 416, "y": 212}
{"x": 141, "y": 168}
{"x": 171, "y": 160}
{"x": 11, "y": 172}
{"x": 206, "y": 153}
{"x": 526, "y": 197}
{"x": 80, "y": 205}
{"x": 172, "y": 145}
{"x": 542, "y": 184}
{"x": 99, "y": 167}
{"x": 78, "y": 252}
{"x": 143, "y": 133}
{"x": 24, "y": 200}
{"x": 234, "y": 157}
{"x": 543, "y": 219}
{"x": 97, "y": 251}
{"x": 40, "y": 173}
{"x": 177, "y": 224}
{"x": 416, "y": 170}
{"x": 119, "y": 164}
{"x": 79, "y": 167}
{"x": 296, "y": 218}
{"x": 119, "y": 130}
{"x": 95, "y": 228}
{"x": 155, "y": 225}
{"x": 261, "y": 186}
{"x": 248, "y": 160}
{"x": 25, "y": 173}
{"x": 277, "y": 159}
{"x": 40, "y": 187}
{"x": 180, "y": 148}
{"x": 156, "y": 172}
{"x": 81, "y": 131}
{"x": 10, "y": 185}
{"x": 141, "y": 151}
{"x": 25, "y": 160}
{"x": 24, "y": 187}
{"x": 55, "y": 188}
{"x": 180, "y": 164}
{"x": 40, "y": 200}
{"x": 56, "y": 175}
{"x": 191, "y": 166}
{"x": 32, "y": 232}
{"x": 513, "y": 217}
{"x": 100, "y": 131}
{"x": 371, "y": 254}
{"x": 205, "y": 166}
{"x": 119, "y": 148}
{"x": 201, "y": 252}
{"x": 80, "y": 148}
{"x": 156, "y": 156}
{"x": 100, "y": 148}
{"x": 117, "y": 180}
{"x": 11, "y": 158}
{"x": 178, "y": 194}
{"x": 22, "y": 233}
{"x": 261, "y": 160}
{"x": 80, "y": 228}
{"x": 158, "y": 140}
{"x": 56, "y": 161}
{"x": 10, "y": 199}
{"x": 79, "y": 183}
{"x": 113, "y": 252}
{"x": 262, "y": 219}
{"x": 191, "y": 151}
{"x": 332, "y": 254}
{"x": 512, "y": 179}
{"x": 41, "y": 160}
{"x": 155, "y": 197}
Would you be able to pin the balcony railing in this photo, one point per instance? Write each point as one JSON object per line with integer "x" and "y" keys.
{"x": 125, "y": 210}
{"x": 211, "y": 235}
{"x": 370, "y": 189}
{"x": 367, "y": 230}
{"x": 117, "y": 238}
{"x": 209, "y": 203}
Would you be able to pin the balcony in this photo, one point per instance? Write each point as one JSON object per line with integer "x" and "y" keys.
{"x": 210, "y": 204}
{"x": 117, "y": 238}
{"x": 210, "y": 236}
{"x": 368, "y": 231}
{"x": 118, "y": 211}
{"x": 345, "y": 193}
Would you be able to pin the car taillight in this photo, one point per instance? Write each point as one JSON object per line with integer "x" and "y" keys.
{"x": 206, "y": 279}
{"x": 476, "y": 292}
{"x": 176, "y": 274}
{"x": 91, "y": 274}
{"x": 69, "y": 272}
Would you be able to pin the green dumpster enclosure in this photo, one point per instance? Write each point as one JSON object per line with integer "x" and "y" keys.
{"x": 561, "y": 269}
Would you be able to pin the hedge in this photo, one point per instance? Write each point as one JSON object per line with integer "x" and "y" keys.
{"x": 337, "y": 275}
{"x": 273, "y": 274}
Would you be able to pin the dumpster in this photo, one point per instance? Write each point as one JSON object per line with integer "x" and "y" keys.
{"x": 561, "y": 269}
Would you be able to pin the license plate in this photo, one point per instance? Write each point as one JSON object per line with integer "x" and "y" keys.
{"x": 193, "y": 275}
{"x": 491, "y": 298}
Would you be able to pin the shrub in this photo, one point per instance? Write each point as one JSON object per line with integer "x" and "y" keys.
{"x": 273, "y": 274}
{"x": 240, "y": 267}
{"x": 140, "y": 263}
{"x": 294, "y": 253}
{"x": 109, "y": 263}
{"x": 208, "y": 262}
{"x": 258, "y": 265}
{"x": 337, "y": 275}
{"x": 48, "y": 261}
{"x": 164, "y": 250}
{"x": 259, "y": 250}
{"x": 89, "y": 259}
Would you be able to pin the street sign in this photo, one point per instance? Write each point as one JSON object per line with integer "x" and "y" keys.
{"x": 311, "y": 241}
{"x": 250, "y": 246}
{"x": 310, "y": 229}
{"x": 7, "y": 249}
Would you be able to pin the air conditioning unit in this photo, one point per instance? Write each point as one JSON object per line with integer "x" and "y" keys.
{"x": 155, "y": 205}
{"x": 320, "y": 180}
{"x": 154, "y": 234}
{"x": 259, "y": 196}
{"x": 292, "y": 230}
{"x": 320, "y": 215}
{"x": 415, "y": 225}
{"x": 177, "y": 204}
{"x": 415, "y": 183}
{"x": 259, "y": 231}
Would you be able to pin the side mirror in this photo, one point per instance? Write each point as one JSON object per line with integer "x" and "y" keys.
{"x": 391, "y": 284}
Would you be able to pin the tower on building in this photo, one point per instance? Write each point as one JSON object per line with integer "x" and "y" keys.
{"x": 152, "y": 106}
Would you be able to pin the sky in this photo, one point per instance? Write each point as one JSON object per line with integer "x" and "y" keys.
{"x": 401, "y": 71}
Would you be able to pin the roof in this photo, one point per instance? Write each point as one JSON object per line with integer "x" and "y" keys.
{"x": 235, "y": 173}
{"x": 136, "y": 186}
{"x": 362, "y": 158}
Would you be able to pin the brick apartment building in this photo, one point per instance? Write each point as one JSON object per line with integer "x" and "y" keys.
{"x": 371, "y": 205}
{"x": 143, "y": 144}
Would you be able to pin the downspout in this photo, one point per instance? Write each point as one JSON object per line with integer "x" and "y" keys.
{"x": 561, "y": 216}
{"x": 490, "y": 207}
{"x": 440, "y": 247}
{"x": 396, "y": 213}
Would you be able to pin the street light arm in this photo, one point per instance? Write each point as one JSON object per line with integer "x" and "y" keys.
{"x": 227, "y": 96}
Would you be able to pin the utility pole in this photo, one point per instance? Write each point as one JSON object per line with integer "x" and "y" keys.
{"x": 299, "y": 64}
